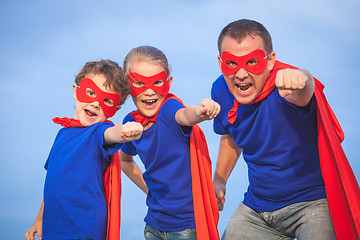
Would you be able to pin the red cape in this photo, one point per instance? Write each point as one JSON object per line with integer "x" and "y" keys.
{"x": 341, "y": 187}
{"x": 112, "y": 185}
{"x": 205, "y": 204}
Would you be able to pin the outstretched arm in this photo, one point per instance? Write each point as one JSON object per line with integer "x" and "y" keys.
{"x": 228, "y": 155}
{"x": 121, "y": 133}
{"x": 295, "y": 85}
{"x": 37, "y": 226}
{"x": 132, "y": 170}
{"x": 191, "y": 115}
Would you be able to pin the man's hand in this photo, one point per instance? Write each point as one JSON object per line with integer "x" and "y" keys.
{"x": 295, "y": 85}
{"x": 220, "y": 191}
{"x": 288, "y": 80}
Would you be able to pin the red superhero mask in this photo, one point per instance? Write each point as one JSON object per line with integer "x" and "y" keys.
{"x": 254, "y": 62}
{"x": 88, "y": 91}
{"x": 149, "y": 82}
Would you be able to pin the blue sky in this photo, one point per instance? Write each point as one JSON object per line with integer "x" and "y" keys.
{"x": 44, "y": 44}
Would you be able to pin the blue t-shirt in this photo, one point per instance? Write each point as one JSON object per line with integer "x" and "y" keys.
{"x": 74, "y": 202}
{"x": 165, "y": 152}
{"x": 279, "y": 142}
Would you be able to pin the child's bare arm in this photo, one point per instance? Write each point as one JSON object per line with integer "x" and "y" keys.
{"x": 191, "y": 115}
{"x": 37, "y": 226}
{"x": 121, "y": 133}
{"x": 132, "y": 170}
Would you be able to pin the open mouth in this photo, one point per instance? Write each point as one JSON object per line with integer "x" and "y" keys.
{"x": 90, "y": 113}
{"x": 149, "y": 102}
{"x": 243, "y": 86}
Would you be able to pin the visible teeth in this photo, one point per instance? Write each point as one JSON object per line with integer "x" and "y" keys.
{"x": 149, "y": 101}
{"x": 243, "y": 86}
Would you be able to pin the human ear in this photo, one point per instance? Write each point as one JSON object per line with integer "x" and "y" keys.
{"x": 219, "y": 62}
{"x": 271, "y": 60}
{"x": 170, "y": 78}
{"x": 74, "y": 89}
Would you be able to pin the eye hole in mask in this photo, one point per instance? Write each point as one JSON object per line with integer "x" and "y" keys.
{"x": 254, "y": 62}
{"x": 158, "y": 82}
{"x": 88, "y": 91}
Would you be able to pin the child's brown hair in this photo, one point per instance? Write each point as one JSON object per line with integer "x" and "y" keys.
{"x": 114, "y": 74}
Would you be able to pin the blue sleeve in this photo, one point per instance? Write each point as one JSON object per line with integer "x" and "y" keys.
{"x": 309, "y": 110}
{"x": 107, "y": 149}
{"x": 220, "y": 94}
{"x": 305, "y": 112}
{"x": 47, "y": 160}
{"x": 167, "y": 116}
{"x": 128, "y": 118}
{"x": 128, "y": 148}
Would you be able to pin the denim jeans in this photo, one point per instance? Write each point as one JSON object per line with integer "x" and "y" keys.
{"x": 303, "y": 220}
{"x": 151, "y": 233}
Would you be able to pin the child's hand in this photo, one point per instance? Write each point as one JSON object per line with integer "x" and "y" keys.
{"x": 131, "y": 131}
{"x": 208, "y": 109}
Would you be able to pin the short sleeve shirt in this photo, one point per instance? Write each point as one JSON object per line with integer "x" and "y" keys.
{"x": 165, "y": 152}
{"x": 74, "y": 203}
{"x": 279, "y": 142}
